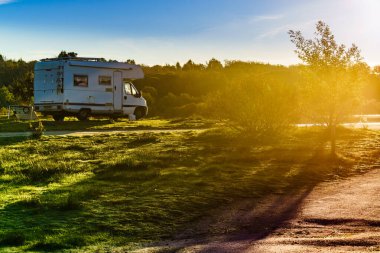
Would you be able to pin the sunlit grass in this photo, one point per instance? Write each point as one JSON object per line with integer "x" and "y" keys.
{"x": 70, "y": 123}
{"x": 120, "y": 191}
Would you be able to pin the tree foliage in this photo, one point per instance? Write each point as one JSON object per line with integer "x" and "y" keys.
{"x": 64, "y": 54}
{"x": 214, "y": 64}
{"x": 332, "y": 77}
{"x": 252, "y": 96}
{"x": 6, "y": 97}
{"x": 257, "y": 105}
{"x": 17, "y": 77}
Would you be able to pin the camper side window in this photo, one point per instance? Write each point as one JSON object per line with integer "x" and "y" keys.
{"x": 81, "y": 80}
{"x": 105, "y": 80}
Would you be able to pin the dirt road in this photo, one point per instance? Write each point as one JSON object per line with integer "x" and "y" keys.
{"x": 335, "y": 217}
{"x": 338, "y": 216}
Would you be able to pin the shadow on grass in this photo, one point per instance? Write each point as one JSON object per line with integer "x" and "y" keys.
{"x": 10, "y": 125}
{"x": 74, "y": 125}
{"x": 6, "y": 141}
{"x": 270, "y": 210}
{"x": 166, "y": 188}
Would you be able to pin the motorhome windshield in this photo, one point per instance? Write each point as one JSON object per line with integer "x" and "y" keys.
{"x": 129, "y": 89}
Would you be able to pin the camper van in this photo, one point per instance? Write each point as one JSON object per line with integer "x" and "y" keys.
{"x": 84, "y": 87}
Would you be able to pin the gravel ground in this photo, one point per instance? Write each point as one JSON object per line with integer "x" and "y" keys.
{"x": 338, "y": 216}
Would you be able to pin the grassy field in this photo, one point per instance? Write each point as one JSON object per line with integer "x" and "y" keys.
{"x": 116, "y": 192}
{"x": 71, "y": 123}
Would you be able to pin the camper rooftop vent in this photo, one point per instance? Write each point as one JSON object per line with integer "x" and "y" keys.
{"x": 73, "y": 59}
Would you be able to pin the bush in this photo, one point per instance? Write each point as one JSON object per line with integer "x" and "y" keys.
{"x": 258, "y": 107}
{"x": 37, "y": 130}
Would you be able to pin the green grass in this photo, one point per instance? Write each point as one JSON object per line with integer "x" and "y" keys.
{"x": 117, "y": 192}
{"x": 72, "y": 124}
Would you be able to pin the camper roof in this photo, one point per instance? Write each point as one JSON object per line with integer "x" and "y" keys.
{"x": 73, "y": 59}
{"x": 134, "y": 71}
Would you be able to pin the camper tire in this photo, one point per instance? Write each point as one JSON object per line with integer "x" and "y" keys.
{"x": 139, "y": 112}
{"x": 59, "y": 117}
{"x": 83, "y": 114}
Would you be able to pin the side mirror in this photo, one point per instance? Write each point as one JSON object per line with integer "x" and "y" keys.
{"x": 139, "y": 94}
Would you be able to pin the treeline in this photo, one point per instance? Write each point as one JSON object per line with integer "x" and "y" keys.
{"x": 16, "y": 81}
{"x": 175, "y": 90}
{"x": 210, "y": 89}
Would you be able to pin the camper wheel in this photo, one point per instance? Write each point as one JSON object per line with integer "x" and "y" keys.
{"x": 59, "y": 117}
{"x": 83, "y": 114}
{"x": 139, "y": 112}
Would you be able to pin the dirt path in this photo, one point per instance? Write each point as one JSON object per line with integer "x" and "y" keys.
{"x": 338, "y": 216}
{"x": 335, "y": 217}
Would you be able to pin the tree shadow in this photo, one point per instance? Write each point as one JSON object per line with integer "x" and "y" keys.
{"x": 7, "y": 141}
{"x": 262, "y": 216}
{"x": 75, "y": 125}
{"x": 351, "y": 222}
{"x": 273, "y": 193}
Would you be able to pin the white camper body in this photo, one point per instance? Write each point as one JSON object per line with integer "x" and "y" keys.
{"x": 87, "y": 86}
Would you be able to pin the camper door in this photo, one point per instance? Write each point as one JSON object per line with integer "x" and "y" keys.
{"x": 131, "y": 97}
{"x": 117, "y": 91}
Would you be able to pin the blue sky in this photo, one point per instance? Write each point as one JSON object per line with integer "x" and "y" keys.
{"x": 167, "y": 31}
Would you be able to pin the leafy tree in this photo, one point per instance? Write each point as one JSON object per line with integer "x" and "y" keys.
{"x": 64, "y": 54}
{"x": 130, "y": 61}
{"x": 178, "y": 66}
{"x": 214, "y": 64}
{"x": 256, "y": 105}
{"x": 333, "y": 75}
{"x": 6, "y": 97}
{"x": 376, "y": 69}
{"x": 190, "y": 65}
{"x": 22, "y": 87}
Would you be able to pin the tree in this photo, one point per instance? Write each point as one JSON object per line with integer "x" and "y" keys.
{"x": 130, "y": 61}
{"x": 64, "y": 54}
{"x": 256, "y": 105}
{"x": 376, "y": 70}
{"x": 190, "y": 65}
{"x": 214, "y": 64}
{"x": 333, "y": 75}
{"x": 178, "y": 66}
{"x": 6, "y": 97}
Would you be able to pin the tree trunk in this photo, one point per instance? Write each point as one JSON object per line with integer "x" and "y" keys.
{"x": 332, "y": 128}
{"x": 333, "y": 138}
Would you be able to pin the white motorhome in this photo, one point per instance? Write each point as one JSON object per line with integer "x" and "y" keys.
{"x": 87, "y": 86}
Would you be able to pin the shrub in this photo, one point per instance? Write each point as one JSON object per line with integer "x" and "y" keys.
{"x": 257, "y": 107}
{"x": 37, "y": 130}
